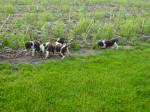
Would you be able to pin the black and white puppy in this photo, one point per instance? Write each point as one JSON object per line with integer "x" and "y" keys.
{"x": 42, "y": 47}
{"x": 62, "y": 49}
{"x": 108, "y": 43}
{"x": 33, "y": 45}
{"x": 60, "y": 41}
{"x": 49, "y": 48}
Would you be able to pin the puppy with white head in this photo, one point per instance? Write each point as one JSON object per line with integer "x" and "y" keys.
{"x": 108, "y": 43}
{"x": 42, "y": 47}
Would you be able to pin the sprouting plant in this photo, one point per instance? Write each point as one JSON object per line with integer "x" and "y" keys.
{"x": 129, "y": 29}
{"x": 20, "y": 39}
{"x": 8, "y": 9}
{"x": 82, "y": 26}
{"x": 29, "y": 18}
{"x": 147, "y": 27}
{"x": 76, "y": 44}
{"x": 58, "y": 30}
{"x": 46, "y": 16}
{"x": 106, "y": 31}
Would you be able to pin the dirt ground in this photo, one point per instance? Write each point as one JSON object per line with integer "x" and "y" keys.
{"x": 10, "y": 57}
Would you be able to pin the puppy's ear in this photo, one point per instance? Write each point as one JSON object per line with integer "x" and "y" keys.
{"x": 40, "y": 41}
{"x": 30, "y": 43}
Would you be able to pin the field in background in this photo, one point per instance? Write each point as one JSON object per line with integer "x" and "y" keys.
{"x": 112, "y": 81}
{"x": 83, "y": 20}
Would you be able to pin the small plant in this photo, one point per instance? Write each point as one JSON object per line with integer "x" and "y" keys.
{"x": 58, "y": 30}
{"x": 133, "y": 42}
{"x": 43, "y": 35}
{"x": 71, "y": 34}
{"x": 20, "y": 39}
{"x": 46, "y": 16}
{"x": 8, "y": 9}
{"x": 121, "y": 42}
{"x": 39, "y": 24}
{"x": 147, "y": 27}
{"x": 17, "y": 22}
{"x": 1, "y": 20}
{"x": 129, "y": 29}
{"x": 82, "y": 26}
{"x": 148, "y": 41}
{"x": 76, "y": 44}
{"x": 106, "y": 31}
{"x": 30, "y": 18}
{"x": 8, "y": 41}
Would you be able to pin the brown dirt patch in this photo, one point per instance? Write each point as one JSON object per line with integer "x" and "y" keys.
{"x": 13, "y": 57}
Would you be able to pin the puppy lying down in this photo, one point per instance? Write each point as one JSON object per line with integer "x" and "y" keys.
{"x": 108, "y": 43}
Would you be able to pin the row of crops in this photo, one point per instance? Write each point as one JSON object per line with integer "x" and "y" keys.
{"x": 83, "y": 20}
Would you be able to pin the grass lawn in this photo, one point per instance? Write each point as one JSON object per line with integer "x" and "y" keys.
{"x": 112, "y": 81}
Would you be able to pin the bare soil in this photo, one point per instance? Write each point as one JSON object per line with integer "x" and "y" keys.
{"x": 18, "y": 57}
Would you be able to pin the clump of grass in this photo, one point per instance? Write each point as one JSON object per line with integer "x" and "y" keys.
{"x": 46, "y": 16}
{"x": 17, "y": 22}
{"x": 106, "y": 31}
{"x": 147, "y": 27}
{"x": 133, "y": 41}
{"x": 76, "y": 44}
{"x": 82, "y": 26}
{"x": 39, "y": 24}
{"x": 148, "y": 41}
{"x": 1, "y": 20}
{"x": 129, "y": 29}
{"x": 8, "y": 9}
{"x": 58, "y": 30}
{"x": 43, "y": 34}
{"x": 8, "y": 41}
{"x": 29, "y": 18}
{"x": 20, "y": 39}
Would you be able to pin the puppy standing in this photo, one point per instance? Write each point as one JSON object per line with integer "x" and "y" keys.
{"x": 108, "y": 43}
{"x": 62, "y": 50}
{"x": 49, "y": 48}
{"x": 34, "y": 45}
{"x": 42, "y": 47}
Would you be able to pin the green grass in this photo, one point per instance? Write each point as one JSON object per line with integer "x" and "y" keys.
{"x": 112, "y": 81}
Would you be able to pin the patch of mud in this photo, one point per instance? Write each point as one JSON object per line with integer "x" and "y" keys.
{"x": 38, "y": 59}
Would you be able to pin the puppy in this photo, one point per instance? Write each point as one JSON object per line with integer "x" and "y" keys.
{"x": 62, "y": 50}
{"x": 34, "y": 45}
{"x": 42, "y": 47}
{"x": 108, "y": 43}
{"x": 49, "y": 48}
{"x": 60, "y": 41}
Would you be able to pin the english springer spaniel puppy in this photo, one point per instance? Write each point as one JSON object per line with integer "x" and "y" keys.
{"x": 42, "y": 47}
{"x": 108, "y": 43}
{"x": 49, "y": 48}
{"x": 61, "y": 49}
{"x": 34, "y": 45}
{"x": 60, "y": 41}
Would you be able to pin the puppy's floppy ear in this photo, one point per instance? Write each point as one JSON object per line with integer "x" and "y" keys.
{"x": 40, "y": 41}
